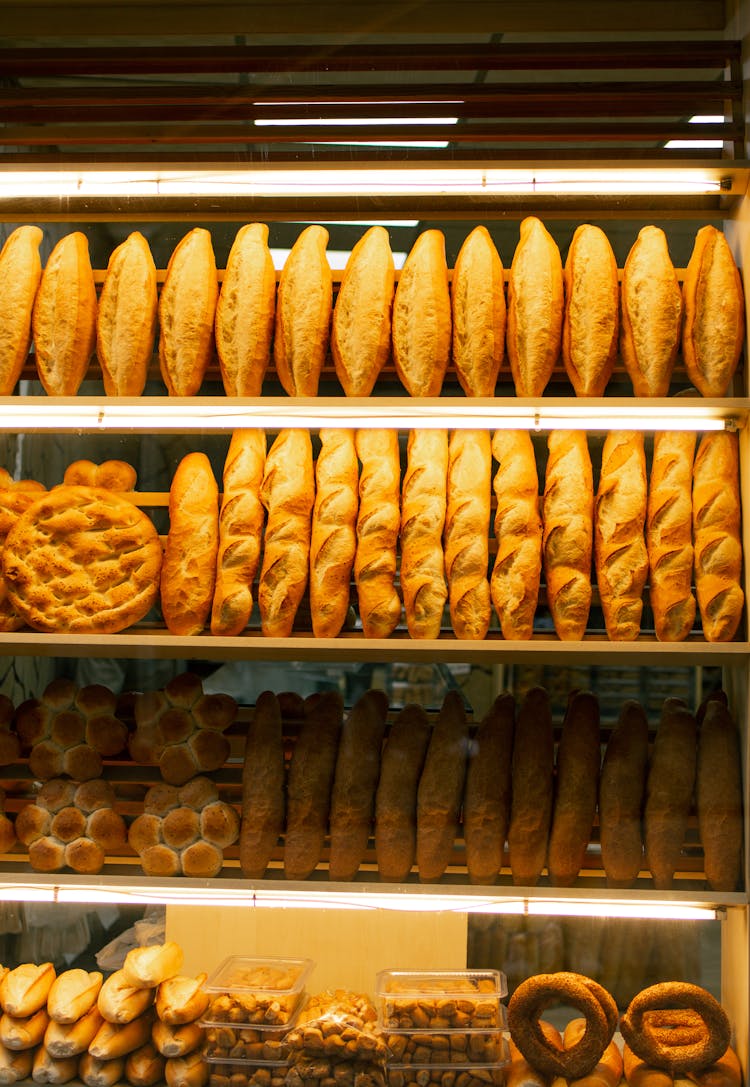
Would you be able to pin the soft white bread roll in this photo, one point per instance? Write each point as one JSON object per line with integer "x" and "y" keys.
{"x": 518, "y": 530}
{"x": 144, "y": 1066}
{"x": 609, "y": 1068}
{"x": 334, "y": 539}
{"x": 669, "y": 535}
{"x": 70, "y": 1039}
{"x": 126, "y": 317}
{"x": 716, "y": 536}
{"x": 176, "y": 1040}
{"x": 303, "y": 313}
{"x": 518, "y": 1071}
{"x": 592, "y": 311}
{"x": 188, "y": 570}
{"x": 714, "y": 328}
{"x": 118, "y": 1039}
{"x": 288, "y": 494}
{"x": 64, "y": 317}
{"x": 567, "y": 531}
{"x": 725, "y": 1072}
{"x": 119, "y": 1001}
{"x": 187, "y": 307}
{"x": 479, "y": 314}
{"x": 72, "y": 994}
{"x": 189, "y": 1071}
{"x": 466, "y": 536}
{"x": 23, "y": 1032}
{"x": 361, "y": 329}
{"x": 96, "y": 1072}
{"x": 20, "y": 274}
{"x": 651, "y": 313}
{"x": 422, "y": 317}
{"x": 378, "y": 523}
{"x": 620, "y": 552}
{"x": 245, "y": 312}
{"x": 535, "y": 308}
{"x": 24, "y": 990}
{"x": 639, "y": 1074}
{"x": 49, "y": 1069}
{"x": 423, "y": 504}
{"x": 15, "y": 1064}
{"x": 181, "y": 999}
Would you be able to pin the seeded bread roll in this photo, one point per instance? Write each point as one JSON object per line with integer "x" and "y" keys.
{"x": 592, "y": 311}
{"x": 535, "y": 308}
{"x": 126, "y": 317}
{"x": 422, "y": 317}
{"x": 20, "y": 274}
{"x": 669, "y": 791}
{"x": 651, "y": 314}
{"x": 303, "y": 313}
{"x": 567, "y": 535}
{"x": 361, "y": 330}
{"x": 378, "y": 523}
{"x": 466, "y": 537}
{"x": 396, "y": 796}
{"x": 718, "y": 795}
{"x": 518, "y": 531}
{"x": 189, "y": 568}
{"x": 531, "y": 789}
{"x": 486, "y": 810}
{"x": 187, "y": 307}
{"x": 333, "y": 542}
{"x": 441, "y": 789}
{"x": 64, "y": 317}
{"x": 245, "y": 312}
{"x": 576, "y": 787}
{"x": 423, "y": 502}
{"x": 669, "y": 535}
{"x": 263, "y": 781}
{"x": 478, "y": 314}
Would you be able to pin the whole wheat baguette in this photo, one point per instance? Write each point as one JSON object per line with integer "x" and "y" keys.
{"x": 651, "y": 314}
{"x": 396, "y": 797}
{"x": 620, "y": 554}
{"x": 240, "y": 532}
{"x": 669, "y": 535}
{"x": 334, "y": 540}
{"x": 245, "y": 312}
{"x": 423, "y": 502}
{"x": 303, "y": 313}
{"x": 441, "y": 788}
{"x": 187, "y": 309}
{"x": 478, "y": 314}
{"x": 486, "y": 809}
{"x": 535, "y": 308}
{"x": 669, "y": 791}
{"x": 718, "y": 795}
{"x": 189, "y": 568}
{"x": 567, "y": 534}
{"x": 531, "y": 788}
{"x": 64, "y": 317}
{"x": 592, "y": 311}
{"x": 466, "y": 536}
{"x": 622, "y": 786}
{"x": 361, "y": 327}
{"x": 518, "y": 531}
{"x": 263, "y": 782}
{"x": 126, "y": 317}
{"x": 422, "y": 317}
{"x": 20, "y": 275}
{"x": 576, "y": 787}
{"x": 378, "y": 523}
{"x": 288, "y": 494}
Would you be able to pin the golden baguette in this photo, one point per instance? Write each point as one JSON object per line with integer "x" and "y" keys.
{"x": 187, "y": 308}
{"x": 177, "y": 1040}
{"x": 714, "y": 328}
{"x": 150, "y": 966}
{"x": 15, "y": 1064}
{"x": 188, "y": 570}
{"x": 20, "y": 275}
{"x": 245, "y": 312}
{"x": 72, "y": 994}
{"x": 467, "y": 523}
{"x": 23, "y": 1031}
{"x": 361, "y": 329}
{"x": 423, "y": 503}
{"x": 535, "y": 308}
{"x": 517, "y": 569}
{"x": 24, "y": 990}
{"x": 422, "y": 317}
{"x": 49, "y": 1069}
{"x": 126, "y": 317}
{"x": 188, "y": 1071}
{"x": 64, "y": 317}
{"x": 303, "y": 313}
{"x": 478, "y": 314}
{"x": 651, "y": 314}
{"x": 333, "y": 541}
{"x": 567, "y": 535}
{"x": 669, "y": 535}
{"x": 592, "y": 311}
{"x": 145, "y": 1066}
{"x": 98, "y": 1072}
{"x": 114, "y": 1040}
{"x": 120, "y": 1000}
{"x": 181, "y": 999}
{"x": 378, "y": 523}
{"x": 71, "y": 1038}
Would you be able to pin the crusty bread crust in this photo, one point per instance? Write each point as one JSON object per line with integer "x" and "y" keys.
{"x": 592, "y": 311}
{"x": 479, "y": 314}
{"x": 303, "y": 313}
{"x": 187, "y": 308}
{"x": 422, "y": 317}
{"x": 126, "y": 317}
{"x": 20, "y": 275}
{"x": 361, "y": 331}
{"x": 245, "y": 312}
{"x": 64, "y": 317}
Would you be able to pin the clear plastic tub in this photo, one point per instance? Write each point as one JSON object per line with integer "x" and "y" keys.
{"x": 449, "y": 1050}
{"x": 246, "y": 1073}
{"x": 256, "y": 992}
{"x": 440, "y": 1076}
{"x": 440, "y": 1001}
{"x": 229, "y": 1042}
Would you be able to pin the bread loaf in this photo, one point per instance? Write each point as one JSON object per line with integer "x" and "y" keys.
{"x": 478, "y": 314}
{"x": 718, "y": 796}
{"x": 176, "y": 1041}
{"x": 126, "y": 317}
{"x": 466, "y": 537}
{"x": 74, "y": 1037}
{"x": 334, "y": 539}
{"x": 98, "y": 1072}
{"x": 620, "y": 554}
{"x": 72, "y": 994}
{"x": 486, "y": 808}
{"x": 115, "y": 475}
{"x": 714, "y": 328}
{"x": 576, "y": 788}
{"x": 396, "y": 797}
{"x": 303, "y": 313}
{"x": 188, "y": 571}
{"x": 188, "y": 1071}
{"x": 535, "y": 308}
{"x": 64, "y": 317}
{"x": 245, "y": 312}
{"x": 441, "y": 789}
{"x": 669, "y": 535}
{"x": 422, "y": 317}
{"x": 149, "y": 966}
{"x": 651, "y": 314}
{"x": 114, "y": 1040}
{"x": 639, "y": 1074}
{"x": 49, "y": 1069}
{"x": 187, "y": 307}
{"x": 122, "y": 1001}
{"x": 15, "y": 1064}
{"x": 24, "y": 990}
{"x": 567, "y": 533}
{"x": 181, "y": 1000}
{"x": 531, "y": 788}
{"x": 716, "y": 535}
{"x": 592, "y": 311}
{"x": 725, "y": 1072}
{"x": 288, "y": 494}
{"x": 669, "y": 791}
{"x": 263, "y": 780}
{"x": 378, "y": 523}
{"x": 607, "y": 1072}
{"x": 144, "y": 1066}
{"x": 361, "y": 329}
{"x": 423, "y": 501}
{"x": 622, "y": 787}
{"x": 518, "y": 531}
{"x": 23, "y": 1031}
{"x": 20, "y": 274}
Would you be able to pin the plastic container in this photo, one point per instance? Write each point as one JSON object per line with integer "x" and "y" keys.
{"x": 246, "y": 1074}
{"x": 441, "y": 1076}
{"x": 256, "y": 992}
{"x": 229, "y": 1042}
{"x": 454, "y": 1051}
{"x": 440, "y": 1001}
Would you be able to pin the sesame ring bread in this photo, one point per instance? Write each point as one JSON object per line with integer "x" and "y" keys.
{"x": 82, "y": 560}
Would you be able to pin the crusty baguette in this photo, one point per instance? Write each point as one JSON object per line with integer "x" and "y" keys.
{"x": 567, "y": 534}
{"x": 303, "y": 313}
{"x": 378, "y": 523}
{"x": 144, "y": 1066}
{"x": 288, "y": 494}
{"x": 74, "y": 1037}
{"x": 120, "y": 1000}
{"x": 422, "y": 317}
{"x": 176, "y": 1041}
{"x": 126, "y": 317}
{"x": 423, "y": 500}
{"x": 531, "y": 788}
{"x": 718, "y": 796}
{"x": 20, "y": 274}
{"x": 98, "y": 1072}
{"x": 651, "y": 314}
{"x": 354, "y": 783}
{"x": 441, "y": 789}
{"x": 639, "y": 1074}
{"x": 607, "y": 1072}
{"x": 188, "y": 1071}
{"x": 576, "y": 787}
{"x": 188, "y": 570}
{"x": 396, "y": 796}
{"x": 181, "y": 999}
{"x": 72, "y": 994}
{"x": 620, "y": 554}
{"x": 535, "y": 308}
{"x": 333, "y": 541}
{"x": 478, "y": 314}
{"x": 24, "y": 990}
{"x": 592, "y": 311}
{"x": 516, "y": 574}
{"x": 263, "y": 780}
{"x": 669, "y": 535}
{"x": 114, "y": 1040}
{"x": 716, "y": 535}
{"x": 622, "y": 786}
{"x": 49, "y": 1069}
{"x": 187, "y": 308}
{"x": 725, "y": 1072}
{"x": 714, "y": 329}
{"x": 486, "y": 808}
{"x": 466, "y": 536}
{"x": 245, "y": 312}
{"x": 64, "y": 317}
{"x": 15, "y": 1064}
{"x": 241, "y": 520}
{"x": 361, "y": 327}
{"x": 151, "y": 965}
{"x": 518, "y": 1071}
{"x": 23, "y": 1031}
{"x": 669, "y": 791}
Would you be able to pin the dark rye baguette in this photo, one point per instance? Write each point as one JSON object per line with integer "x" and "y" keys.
{"x": 396, "y": 797}
{"x": 669, "y": 790}
{"x": 441, "y": 788}
{"x": 576, "y": 787}
{"x": 532, "y": 779}
{"x": 263, "y": 801}
{"x": 622, "y": 787}
{"x": 718, "y": 794}
{"x": 487, "y": 793}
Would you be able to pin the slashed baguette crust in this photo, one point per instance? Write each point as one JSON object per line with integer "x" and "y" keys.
{"x": 576, "y": 787}
{"x": 531, "y": 792}
{"x": 64, "y": 317}
{"x": 303, "y": 313}
{"x": 378, "y": 523}
{"x": 263, "y": 780}
{"x": 568, "y": 523}
{"x": 592, "y": 311}
{"x": 423, "y": 503}
{"x": 189, "y": 567}
{"x": 651, "y": 314}
{"x": 466, "y": 537}
{"x": 126, "y": 317}
{"x": 718, "y": 796}
{"x": 669, "y": 535}
{"x": 669, "y": 791}
{"x": 334, "y": 540}
{"x": 535, "y": 308}
{"x": 245, "y": 312}
{"x": 486, "y": 809}
{"x": 187, "y": 309}
{"x": 714, "y": 328}
{"x": 518, "y": 531}
{"x": 396, "y": 797}
{"x": 361, "y": 329}
{"x": 441, "y": 788}
{"x": 479, "y": 314}
{"x": 622, "y": 787}
{"x": 422, "y": 317}
{"x": 20, "y": 275}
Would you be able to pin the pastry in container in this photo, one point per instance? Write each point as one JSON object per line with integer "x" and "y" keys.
{"x": 256, "y": 991}
{"x": 440, "y": 1001}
